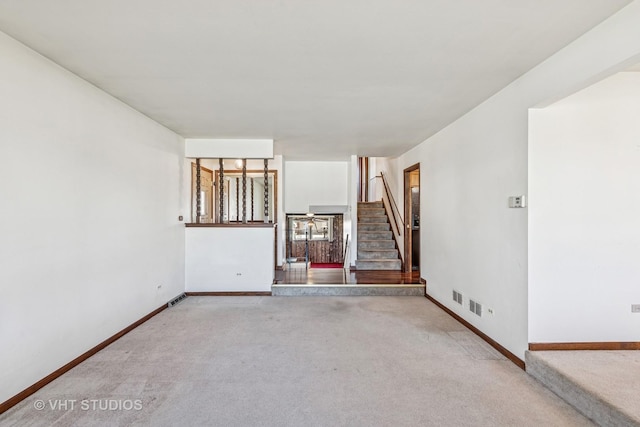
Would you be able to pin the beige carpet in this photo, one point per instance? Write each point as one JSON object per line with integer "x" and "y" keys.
{"x": 308, "y": 361}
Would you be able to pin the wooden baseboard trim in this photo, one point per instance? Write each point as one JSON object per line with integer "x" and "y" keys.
{"x": 229, "y": 294}
{"x": 506, "y": 353}
{"x": 4, "y": 406}
{"x": 569, "y": 346}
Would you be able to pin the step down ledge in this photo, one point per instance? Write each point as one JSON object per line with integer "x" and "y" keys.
{"x": 347, "y": 290}
{"x": 584, "y": 400}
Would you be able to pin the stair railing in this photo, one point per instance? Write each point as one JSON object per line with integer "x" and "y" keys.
{"x": 393, "y": 207}
{"x": 345, "y": 256}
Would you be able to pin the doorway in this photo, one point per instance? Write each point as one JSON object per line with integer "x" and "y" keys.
{"x": 315, "y": 239}
{"x": 412, "y": 218}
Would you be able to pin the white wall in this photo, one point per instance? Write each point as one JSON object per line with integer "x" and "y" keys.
{"x": 470, "y": 240}
{"x": 353, "y": 211}
{"x": 229, "y": 259}
{"x": 315, "y": 183}
{"x": 584, "y": 219}
{"x": 228, "y": 148}
{"x": 281, "y": 228}
{"x": 89, "y": 201}
{"x": 376, "y": 188}
{"x": 319, "y": 184}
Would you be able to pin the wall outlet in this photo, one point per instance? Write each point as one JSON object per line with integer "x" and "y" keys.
{"x": 517, "y": 202}
{"x": 635, "y": 308}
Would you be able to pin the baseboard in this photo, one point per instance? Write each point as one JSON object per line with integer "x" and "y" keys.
{"x": 506, "y": 353}
{"x": 568, "y": 346}
{"x": 230, "y": 294}
{"x": 4, "y": 406}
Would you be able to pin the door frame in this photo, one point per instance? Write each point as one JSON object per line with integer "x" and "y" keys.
{"x": 408, "y": 235}
{"x": 194, "y": 196}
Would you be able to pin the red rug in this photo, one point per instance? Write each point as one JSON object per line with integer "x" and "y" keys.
{"x": 326, "y": 265}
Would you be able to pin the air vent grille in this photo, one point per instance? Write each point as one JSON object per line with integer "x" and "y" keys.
{"x": 457, "y": 297}
{"x": 475, "y": 307}
{"x": 176, "y": 300}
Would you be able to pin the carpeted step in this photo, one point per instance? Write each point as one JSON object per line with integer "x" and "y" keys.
{"x": 371, "y": 212}
{"x": 378, "y": 254}
{"x": 595, "y": 403}
{"x": 376, "y": 244}
{"x": 378, "y": 264}
{"x": 376, "y": 219}
{"x": 365, "y": 205}
{"x": 374, "y": 226}
{"x": 375, "y": 235}
{"x": 348, "y": 290}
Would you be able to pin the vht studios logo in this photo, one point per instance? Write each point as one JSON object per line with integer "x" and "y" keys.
{"x": 89, "y": 404}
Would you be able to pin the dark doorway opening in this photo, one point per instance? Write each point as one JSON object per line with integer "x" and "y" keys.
{"x": 412, "y": 218}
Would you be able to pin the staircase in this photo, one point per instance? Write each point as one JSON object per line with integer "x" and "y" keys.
{"x": 376, "y": 245}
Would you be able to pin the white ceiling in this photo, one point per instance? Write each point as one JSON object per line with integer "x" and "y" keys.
{"x": 324, "y": 78}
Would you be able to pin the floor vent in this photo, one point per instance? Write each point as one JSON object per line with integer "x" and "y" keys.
{"x": 176, "y": 300}
{"x": 475, "y": 307}
{"x": 457, "y": 297}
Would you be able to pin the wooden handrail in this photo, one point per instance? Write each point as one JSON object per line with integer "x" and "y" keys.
{"x": 394, "y": 207}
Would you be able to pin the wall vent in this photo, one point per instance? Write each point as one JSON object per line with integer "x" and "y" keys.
{"x": 457, "y": 297}
{"x": 176, "y": 300}
{"x": 475, "y": 307}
